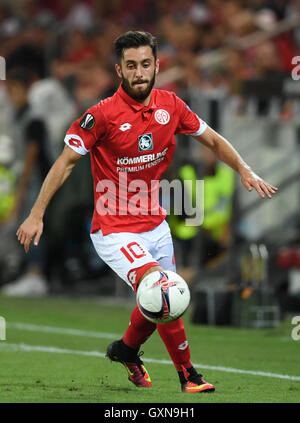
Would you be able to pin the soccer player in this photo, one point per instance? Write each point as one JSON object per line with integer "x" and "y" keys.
{"x": 130, "y": 138}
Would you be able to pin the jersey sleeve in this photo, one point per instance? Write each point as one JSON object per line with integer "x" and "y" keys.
{"x": 189, "y": 122}
{"x": 86, "y": 131}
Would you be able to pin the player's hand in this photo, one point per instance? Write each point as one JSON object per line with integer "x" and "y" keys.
{"x": 31, "y": 229}
{"x": 250, "y": 180}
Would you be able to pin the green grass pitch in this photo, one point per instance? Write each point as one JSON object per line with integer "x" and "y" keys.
{"x": 54, "y": 352}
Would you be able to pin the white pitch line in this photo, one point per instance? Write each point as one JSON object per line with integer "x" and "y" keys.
{"x": 63, "y": 331}
{"x": 37, "y": 348}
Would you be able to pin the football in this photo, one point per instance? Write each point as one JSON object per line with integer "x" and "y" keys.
{"x": 163, "y": 296}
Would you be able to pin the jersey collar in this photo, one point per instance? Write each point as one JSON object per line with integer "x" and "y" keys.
{"x": 135, "y": 104}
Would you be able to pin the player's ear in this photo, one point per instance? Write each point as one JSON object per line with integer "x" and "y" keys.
{"x": 157, "y": 66}
{"x": 118, "y": 70}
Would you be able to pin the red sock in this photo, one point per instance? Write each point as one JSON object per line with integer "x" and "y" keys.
{"x": 174, "y": 337}
{"x": 138, "y": 331}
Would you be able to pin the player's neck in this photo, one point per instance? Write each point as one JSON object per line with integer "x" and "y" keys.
{"x": 144, "y": 102}
{"x": 147, "y": 100}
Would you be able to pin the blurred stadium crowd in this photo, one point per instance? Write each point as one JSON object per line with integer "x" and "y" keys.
{"x": 60, "y": 60}
{"x": 72, "y": 40}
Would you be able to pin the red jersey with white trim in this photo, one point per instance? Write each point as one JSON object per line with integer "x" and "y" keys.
{"x": 131, "y": 146}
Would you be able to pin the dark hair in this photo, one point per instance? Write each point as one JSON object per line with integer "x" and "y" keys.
{"x": 134, "y": 39}
{"x": 22, "y": 75}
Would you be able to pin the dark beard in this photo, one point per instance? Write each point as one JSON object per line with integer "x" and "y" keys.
{"x": 138, "y": 96}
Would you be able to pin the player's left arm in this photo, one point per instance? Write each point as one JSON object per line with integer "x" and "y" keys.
{"x": 227, "y": 153}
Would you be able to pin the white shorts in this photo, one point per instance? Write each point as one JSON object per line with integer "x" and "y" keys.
{"x": 131, "y": 254}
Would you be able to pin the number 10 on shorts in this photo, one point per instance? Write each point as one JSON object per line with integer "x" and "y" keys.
{"x": 133, "y": 251}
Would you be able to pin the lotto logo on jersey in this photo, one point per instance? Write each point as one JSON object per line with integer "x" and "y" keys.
{"x": 76, "y": 143}
{"x": 145, "y": 142}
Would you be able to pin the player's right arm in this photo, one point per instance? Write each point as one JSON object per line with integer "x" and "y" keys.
{"x": 32, "y": 227}
{"x": 222, "y": 149}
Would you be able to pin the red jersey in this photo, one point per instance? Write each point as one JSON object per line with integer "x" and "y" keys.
{"x": 131, "y": 146}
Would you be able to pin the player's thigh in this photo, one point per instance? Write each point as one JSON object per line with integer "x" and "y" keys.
{"x": 162, "y": 246}
{"x": 166, "y": 257}
{"x": 125, "y": 253}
